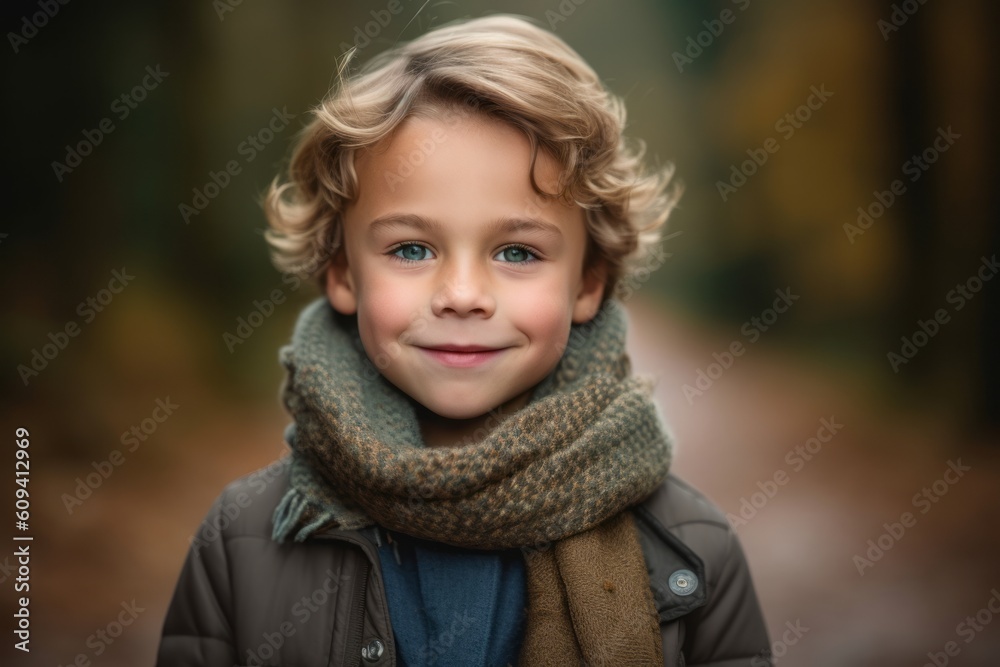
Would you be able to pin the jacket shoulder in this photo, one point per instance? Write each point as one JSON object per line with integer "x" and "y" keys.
{"x": 724, "y": 621}
{"x": 675, "y": 503}
{"x": 687, "y": 515}
{"x": 245, "y": 507}
{"x": 238, "y": 585}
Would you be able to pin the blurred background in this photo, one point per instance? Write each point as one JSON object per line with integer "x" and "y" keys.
{"x": 839, "y": 222}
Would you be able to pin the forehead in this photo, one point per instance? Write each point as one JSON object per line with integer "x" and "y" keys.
{"x": 461, "y": 164}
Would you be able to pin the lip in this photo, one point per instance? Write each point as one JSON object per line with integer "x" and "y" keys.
{"x": 461, "y": 348}
{"x": 463, "y": 356}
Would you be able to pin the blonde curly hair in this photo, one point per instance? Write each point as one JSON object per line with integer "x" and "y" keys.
{"x": 503, "y": 67}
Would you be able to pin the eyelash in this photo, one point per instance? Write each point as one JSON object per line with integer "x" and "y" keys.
{"x": 392, "y": 253}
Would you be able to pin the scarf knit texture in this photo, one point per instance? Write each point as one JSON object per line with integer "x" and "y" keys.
{"x": 555, "y": 478}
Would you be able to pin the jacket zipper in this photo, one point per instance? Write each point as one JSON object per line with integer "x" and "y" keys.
{"x": 357, "y": 624}
{"x": 356, "y": 636}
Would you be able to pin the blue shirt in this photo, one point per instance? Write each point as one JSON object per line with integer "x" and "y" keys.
{"x": 453, "y": 606}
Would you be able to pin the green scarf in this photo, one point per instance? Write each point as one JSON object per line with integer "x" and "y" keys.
{"x": 564, "y": 469}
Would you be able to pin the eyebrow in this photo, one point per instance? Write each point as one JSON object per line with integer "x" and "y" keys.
{"x": 504, "y": 224}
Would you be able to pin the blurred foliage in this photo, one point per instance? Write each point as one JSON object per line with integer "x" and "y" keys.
{"x": 230, "y": 68}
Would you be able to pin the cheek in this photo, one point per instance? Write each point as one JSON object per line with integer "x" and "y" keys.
{"x": 545, "y": 317}
{"x": 386, "y": 307}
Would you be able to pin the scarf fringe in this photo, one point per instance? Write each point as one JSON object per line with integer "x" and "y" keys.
{"x": 292, "y": 520}
{"x": 288, "y": 514}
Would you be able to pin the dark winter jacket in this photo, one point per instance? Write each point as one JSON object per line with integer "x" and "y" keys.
{"x": 243, "y": 599}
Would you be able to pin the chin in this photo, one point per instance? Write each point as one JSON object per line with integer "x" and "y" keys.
{"x": 450, "y": 411}
{"x": 457, "y": 408}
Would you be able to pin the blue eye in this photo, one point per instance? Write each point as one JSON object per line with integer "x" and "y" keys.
{"x": 517, "y": 254}
{"x": 411, "y": 252}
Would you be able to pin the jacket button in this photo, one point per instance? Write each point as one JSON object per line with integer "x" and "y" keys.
{"x": 683, "y": 582}
{"x": 373, "y": 650}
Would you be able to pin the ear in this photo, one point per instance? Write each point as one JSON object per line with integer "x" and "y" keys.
{"x": 588, "y": 299}
{"x": 340, "y": 284}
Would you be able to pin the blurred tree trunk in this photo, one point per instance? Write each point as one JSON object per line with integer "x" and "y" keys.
{"x": 939, "y": 78}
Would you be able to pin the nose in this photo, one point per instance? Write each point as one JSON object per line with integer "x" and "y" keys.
{"x": 465, "y": 288}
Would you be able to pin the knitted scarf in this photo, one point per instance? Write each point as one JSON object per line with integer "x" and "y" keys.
{"x": 555, "y": 478}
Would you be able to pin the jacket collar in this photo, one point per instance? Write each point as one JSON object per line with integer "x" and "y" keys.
{"x": 676, "y": 573}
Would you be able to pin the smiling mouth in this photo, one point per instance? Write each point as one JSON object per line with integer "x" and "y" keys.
{"x": 462, "y": 357}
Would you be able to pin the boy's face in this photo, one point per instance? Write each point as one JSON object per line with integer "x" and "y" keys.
{"x": 448, "y": 245}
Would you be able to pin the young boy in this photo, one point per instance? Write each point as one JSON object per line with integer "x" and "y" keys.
{"x": 476, "y": 477}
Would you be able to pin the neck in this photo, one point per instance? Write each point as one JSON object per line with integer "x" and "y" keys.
{"x": 438, "y": 431}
